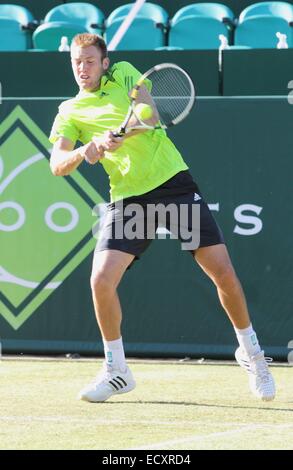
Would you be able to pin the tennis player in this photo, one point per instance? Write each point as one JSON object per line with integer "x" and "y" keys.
{"x": 143, "y": 167}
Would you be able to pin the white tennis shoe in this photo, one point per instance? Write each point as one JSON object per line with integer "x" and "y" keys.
{"x": 261, "y": 381}
{"x": 108, "y": 382}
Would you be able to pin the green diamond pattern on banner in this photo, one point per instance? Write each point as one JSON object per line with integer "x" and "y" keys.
{"x": 45, "y": 222}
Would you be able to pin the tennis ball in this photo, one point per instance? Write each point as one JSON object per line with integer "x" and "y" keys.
{"x": 143, "y": 111}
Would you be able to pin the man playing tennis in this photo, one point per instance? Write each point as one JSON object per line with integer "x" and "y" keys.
{"x": 144, "y": 167}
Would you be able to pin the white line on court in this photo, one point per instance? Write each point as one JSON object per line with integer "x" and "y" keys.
{"x": 244, "y": 428}
{"x": 122, "y": 422}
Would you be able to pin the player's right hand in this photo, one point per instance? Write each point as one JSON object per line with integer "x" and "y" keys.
{"x": 110, "y": 142}
{"x": 93, "y": 152}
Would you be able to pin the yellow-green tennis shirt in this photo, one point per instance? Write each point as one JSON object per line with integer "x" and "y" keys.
{"x": 144, "y": 161}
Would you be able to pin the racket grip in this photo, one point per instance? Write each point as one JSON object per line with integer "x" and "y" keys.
{"x": 117, "y": 134}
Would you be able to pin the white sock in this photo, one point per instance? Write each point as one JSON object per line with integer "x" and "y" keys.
{"x": 247, "y": 340}
{"x": 114, "y": 354}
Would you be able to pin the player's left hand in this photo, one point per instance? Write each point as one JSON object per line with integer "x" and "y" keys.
{"x": 111, "y": 143}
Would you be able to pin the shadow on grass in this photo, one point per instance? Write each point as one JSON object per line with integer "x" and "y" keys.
{"x": 206, "y": 405}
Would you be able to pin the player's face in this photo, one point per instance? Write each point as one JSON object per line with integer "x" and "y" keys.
{"x": 88, "y": 66}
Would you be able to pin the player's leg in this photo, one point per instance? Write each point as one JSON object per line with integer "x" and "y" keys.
{"x": 216, "y": 263}
{"x": 108, "y": 269}
{"x": 113, "y": 255}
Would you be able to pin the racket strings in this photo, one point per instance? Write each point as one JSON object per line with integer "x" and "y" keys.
{"x": 172, "y": 93}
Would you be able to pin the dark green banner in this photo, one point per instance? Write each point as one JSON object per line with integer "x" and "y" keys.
{"x": 257, "y": 72}
{"x": 49, "y": 73}
{"x": 240, "y": 154}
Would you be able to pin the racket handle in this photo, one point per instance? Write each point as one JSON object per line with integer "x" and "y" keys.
{"x": 118, "y": 134}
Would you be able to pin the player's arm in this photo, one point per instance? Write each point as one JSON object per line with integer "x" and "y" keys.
{"x": 65, "y": 159}
{"x": 144, "y": 97}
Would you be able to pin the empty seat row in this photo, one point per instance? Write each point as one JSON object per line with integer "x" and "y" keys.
{"x": 68, "y": 20}
{"x": 196, "y": 26}
{"x": 16, "y": 24}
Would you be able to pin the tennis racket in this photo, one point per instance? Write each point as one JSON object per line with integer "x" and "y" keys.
{"x": 168, "y": 90}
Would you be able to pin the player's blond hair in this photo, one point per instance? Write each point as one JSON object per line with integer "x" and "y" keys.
{"x": 88, "y": 39}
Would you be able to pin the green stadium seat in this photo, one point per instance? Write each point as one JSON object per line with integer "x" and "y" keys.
{"x": 259, "y": 23}
{"x": 12, "y": 38}
{"x": 148, "y": 10}
{"x": 141, "y": 35}
{"x": 146, "y": 32}
{"x": 210, "y": 10}
{"x": 260, "y": 32}
{"x": 68, "y": 20}
{"x": 90, "y": 17}
{"x": 48, "y": 35}
{"x": 16, "y": 23}
{"x": 198, "y": 26}
{"x": 17, "y": 13}
{"x": 276, "y": 9}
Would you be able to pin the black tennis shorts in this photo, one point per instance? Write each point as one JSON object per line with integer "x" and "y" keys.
{"x": 176, "y": 209}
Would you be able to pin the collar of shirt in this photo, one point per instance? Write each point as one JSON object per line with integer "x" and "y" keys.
{"x": 103, "y": 83}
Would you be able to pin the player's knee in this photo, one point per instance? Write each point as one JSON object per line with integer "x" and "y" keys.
{"x": 101, "y": 283}
{"x": 225, "y": 277}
